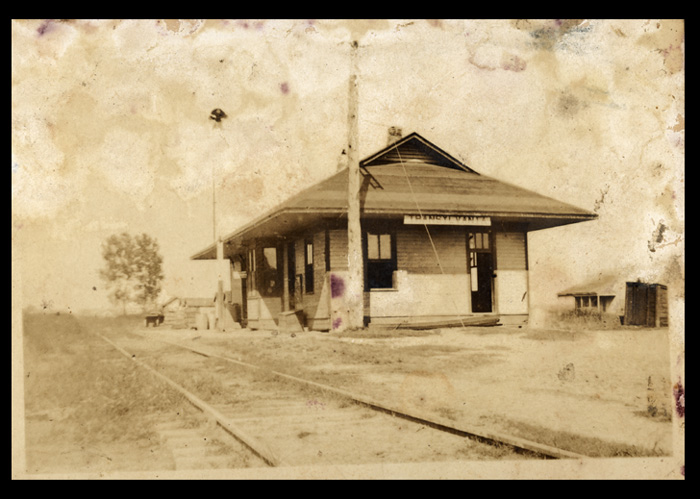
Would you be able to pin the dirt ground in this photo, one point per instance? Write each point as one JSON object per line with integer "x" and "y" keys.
{"x": 599, "y": 393}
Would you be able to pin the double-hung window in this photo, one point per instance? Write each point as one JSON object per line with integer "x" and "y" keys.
{"x": 381, "y": 259}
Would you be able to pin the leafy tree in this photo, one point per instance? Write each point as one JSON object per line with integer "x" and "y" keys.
{"x": 133, "y": 269}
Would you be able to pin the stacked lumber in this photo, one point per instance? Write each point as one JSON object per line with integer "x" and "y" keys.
{"x": 176, "y": 319}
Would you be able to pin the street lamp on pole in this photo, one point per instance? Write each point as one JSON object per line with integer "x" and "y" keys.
{"x": 217, "y": 115}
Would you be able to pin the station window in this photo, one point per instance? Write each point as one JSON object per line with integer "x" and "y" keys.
{"x": 479, "y": 240}
{"x": 309, "y": 266}
{"x": 587, "y": 302}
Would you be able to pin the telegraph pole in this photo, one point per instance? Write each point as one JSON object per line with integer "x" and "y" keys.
{"x": 354, "y": 298}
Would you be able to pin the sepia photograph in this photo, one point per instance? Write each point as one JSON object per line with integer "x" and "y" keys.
{"x": 347, "y": 249}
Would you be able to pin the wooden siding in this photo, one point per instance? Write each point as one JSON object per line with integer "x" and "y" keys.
{"x": 412, "y": 149}
{"x": 510, "y": 251}
{"x": 415, "y": 254}
{"x": 316, "y": 313}
{"x": 409, "y": 152}
{"x": 339, "y": 249}
{"x": 646, "y": 305}
{"x": 317, "y": 306}
{"x": 319, "y": 261}
{"x": 661, "y": 318}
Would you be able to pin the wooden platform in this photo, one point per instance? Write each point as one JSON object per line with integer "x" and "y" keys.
{"x": 435, "y": 323}
{"x": 290, "y": 321}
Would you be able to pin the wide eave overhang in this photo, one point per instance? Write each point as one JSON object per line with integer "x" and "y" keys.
{"x": 431, "y": 182}
{"x": 286, "y": 221}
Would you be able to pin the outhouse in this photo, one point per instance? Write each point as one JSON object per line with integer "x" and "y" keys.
{"x": 646, "y": 305}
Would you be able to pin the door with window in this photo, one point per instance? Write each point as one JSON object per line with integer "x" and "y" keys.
{"x": 380, "y": 254}
{"x": 481, "y": 271}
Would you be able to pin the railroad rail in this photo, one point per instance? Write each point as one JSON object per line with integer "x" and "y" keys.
{"x": 261, "y": 449}
{"x": 258, "y": 447}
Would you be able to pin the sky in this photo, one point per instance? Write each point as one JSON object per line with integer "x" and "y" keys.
{"x": 111, "y": 133}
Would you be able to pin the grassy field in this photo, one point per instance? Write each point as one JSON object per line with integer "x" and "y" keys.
{"x": 88, "y": 408}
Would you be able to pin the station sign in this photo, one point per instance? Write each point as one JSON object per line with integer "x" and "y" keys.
{"x": 431, "y": 219}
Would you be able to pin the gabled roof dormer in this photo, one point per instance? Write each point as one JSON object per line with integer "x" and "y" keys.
{"x": 414, "y": 148}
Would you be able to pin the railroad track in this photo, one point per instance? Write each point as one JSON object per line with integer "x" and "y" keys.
{"x": 307, "y": 423}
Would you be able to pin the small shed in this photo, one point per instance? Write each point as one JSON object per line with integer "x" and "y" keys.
{"x": 646, "y": 305}
{"x": 597, "y": 295}
{"x": 187, "y": 313}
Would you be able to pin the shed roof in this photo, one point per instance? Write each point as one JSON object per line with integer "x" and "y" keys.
{"x": 603, "y": 285}
{"x": 411, "y": 176}
{"x": 198, "y": 302}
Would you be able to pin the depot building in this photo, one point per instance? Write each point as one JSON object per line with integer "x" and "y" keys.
{"x": 441, "y": 245}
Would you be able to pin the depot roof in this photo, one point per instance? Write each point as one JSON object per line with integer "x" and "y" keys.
{"x": 410, "y": 176}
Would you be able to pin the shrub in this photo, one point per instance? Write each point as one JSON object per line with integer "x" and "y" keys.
{"x": 591, "y": 319}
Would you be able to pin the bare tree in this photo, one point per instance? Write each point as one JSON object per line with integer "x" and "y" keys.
{"x": 133, "y": 269}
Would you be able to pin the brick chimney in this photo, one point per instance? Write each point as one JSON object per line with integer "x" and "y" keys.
{"x": 394, "y": 135}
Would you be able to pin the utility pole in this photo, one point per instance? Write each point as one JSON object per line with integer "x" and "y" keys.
{"x": 354, "y": 298}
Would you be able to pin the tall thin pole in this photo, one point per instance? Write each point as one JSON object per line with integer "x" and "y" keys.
{"x": 219, "y": 305}
{"x": 213, "y": 200}
{"x": 220, "y": 284}
{"x": 217, "y": 115}
{"x": 354, "y": 298}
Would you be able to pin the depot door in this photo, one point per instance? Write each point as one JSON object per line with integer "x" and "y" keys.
{"x": 291, "y": 274}
{"x": 480, "y": 271}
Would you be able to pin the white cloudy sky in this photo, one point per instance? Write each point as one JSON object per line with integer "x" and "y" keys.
{"x": 110, "y": 133}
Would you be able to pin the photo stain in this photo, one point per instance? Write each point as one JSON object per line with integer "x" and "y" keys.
{"x": 217, "y": 115}
{"x": 657, "y": 237}
{"x": 337, "y": 286}
{"x": 45, "y": 27}
{"x": 513, "y": 63}
{"x": 284, "y": 87}
{"x": 546, "y": 34}
{"x": 337, "y": 322}
{"x": 568, "y": 105}
{"x": 660, "y": 235}
{"x": 679, "y": 397}
{"x": 567, "y": 373}
{"x": 600, "y": 201}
